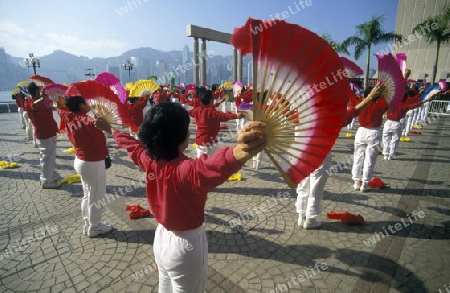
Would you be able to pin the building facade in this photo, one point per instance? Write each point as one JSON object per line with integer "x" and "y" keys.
{"x": 420, "y": 54}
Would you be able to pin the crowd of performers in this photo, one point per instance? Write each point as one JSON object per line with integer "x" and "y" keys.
{"x": 177, "y": 186}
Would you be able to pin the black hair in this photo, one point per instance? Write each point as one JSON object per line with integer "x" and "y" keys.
{"x": 214, "y": 87}
{"x": 73, "y": 103}
{"x": 32, "y": 89}
{"x": 164, "y": 129}
{"x": 206, "y": 96}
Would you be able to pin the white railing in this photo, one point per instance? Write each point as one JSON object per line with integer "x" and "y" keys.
{"x": 440, "y": 107}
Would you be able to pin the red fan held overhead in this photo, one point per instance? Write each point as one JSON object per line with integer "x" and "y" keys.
{"x": 299, "y": 90}
{"x": 41, "y": 80}
{"x": 351, "y": 68}
{"x": 390, "y": 74}
{"x": 103, "y": 102}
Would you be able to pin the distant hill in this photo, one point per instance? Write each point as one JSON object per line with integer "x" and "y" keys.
{"x": 63, "y": 67}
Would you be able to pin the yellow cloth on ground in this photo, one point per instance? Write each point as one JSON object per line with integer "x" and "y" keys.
{"x": 6, "y": 165}
{"x": 70, "y": 179}
{"x": 235, "y": 177}
{"x": 69, "y": 150}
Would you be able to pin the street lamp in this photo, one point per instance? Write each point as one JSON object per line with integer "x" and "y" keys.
{"x": 89, "y": 73}
{"x": 32, "y": 61}
{"x": 128, "y": 66}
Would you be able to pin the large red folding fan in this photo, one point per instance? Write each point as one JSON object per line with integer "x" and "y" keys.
{"x": 103, "y": 102}
{"x": 299, "y": 90}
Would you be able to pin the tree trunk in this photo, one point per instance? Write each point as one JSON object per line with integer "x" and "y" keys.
{"x": 438, "y": 46}
{"x": 366, "y": 74}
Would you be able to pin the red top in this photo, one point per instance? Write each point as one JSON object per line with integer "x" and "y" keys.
{"x": 88, "y": 141}
{"x": 372, "y": 114}
{"x": 177, "y": 189}
{"x": 401, "y": 111}
{"x": 136, "y": 110}
{"x": 208, "y": 121}
{"x": 160, "y": 97}
{"x": 19, "y": 102}
{"x": 42, "y": 118}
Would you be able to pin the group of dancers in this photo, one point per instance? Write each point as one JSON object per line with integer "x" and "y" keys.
{"x": 176, "y": 185}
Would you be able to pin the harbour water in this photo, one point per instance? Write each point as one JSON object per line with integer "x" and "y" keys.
{"x": 5, "y": 96}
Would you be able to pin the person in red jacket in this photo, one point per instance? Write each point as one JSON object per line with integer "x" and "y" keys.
{"x": 19, "y": 103}
{"x": 177, "y": 187}
{"x": 45, "y": 128}
{"x": 90, "y": 152}
{"x": 392, "y": 129}
{"x": 367, "y": 142}
{"x": 135, "y": 107}
{"x": 208, "y": 119}
{"x": 310, "y": 190}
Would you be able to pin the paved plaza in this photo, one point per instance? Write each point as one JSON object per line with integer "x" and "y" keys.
{"x": 255, "y": 244}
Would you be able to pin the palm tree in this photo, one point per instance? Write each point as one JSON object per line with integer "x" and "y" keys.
{"x": 435, "y": 29}
{"x": 335, "y": 45}
{"x": 368, "y": 34}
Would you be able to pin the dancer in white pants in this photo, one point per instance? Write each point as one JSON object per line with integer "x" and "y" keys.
{"x": 45, "y": 129}
{"x": 310, "y": 190}
{"x": 391, "y": 137}
{"x": 367, "y": 143}
{"x": 90, "y": 150}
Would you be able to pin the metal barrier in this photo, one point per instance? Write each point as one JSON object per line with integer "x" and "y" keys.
{"x": 8, "y": 107}
{"x": 440, "y": 107}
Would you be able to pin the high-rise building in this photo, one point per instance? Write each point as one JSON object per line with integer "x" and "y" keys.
{"x": 420, "y": 54}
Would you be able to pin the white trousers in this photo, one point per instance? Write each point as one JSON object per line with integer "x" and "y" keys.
{"x": 208, "y": 150}
{"x": 29, "y": 128}
{"x": 391, "y": 137}
{"x": 182, "y": 259}
{"x": 225, "y": 106}
{"x": 367, "y": 146}
{"x": 93, "y": 180}
{"x": 426, "y": 111}
{"x": 21, "y": 118}
{"x": 310, "y": 190}
{"x": 47, "y": 152}
{"x": 408, "y": 122}
{"x": 351, "y": 124}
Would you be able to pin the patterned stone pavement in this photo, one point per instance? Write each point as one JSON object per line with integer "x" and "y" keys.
{"x": 255, "y": 244}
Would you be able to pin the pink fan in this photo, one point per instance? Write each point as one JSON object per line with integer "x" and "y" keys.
{"x": 237, "y": 88}
{"x": 299, "y": 90}
{"x": 351, "y": 68}
{"x": 111, "y": 81}
{"x": 390, "y": 74}
{"x": 355, "y": 87}
{"x": 55, "y": 91}
{"x": 400, "y": 58}
{"x": 442, "y": 85}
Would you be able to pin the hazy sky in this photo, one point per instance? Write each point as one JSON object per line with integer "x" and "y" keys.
{"x": 107, "y": 28}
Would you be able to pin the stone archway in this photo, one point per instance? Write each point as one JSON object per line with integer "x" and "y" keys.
{"x": 206, "y": 34}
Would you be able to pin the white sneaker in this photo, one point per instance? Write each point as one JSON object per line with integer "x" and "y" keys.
{"x": 356, "y": 185}
{"x": 101, "y": 228}
{"x": 390, "y": 158}
{"x": 301, "y": 220}
{"x": 311, "y": 223}
{"x": 386, "y": 157}
{"x": 50, "y": 185}
{"x": 365, "y": 187}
